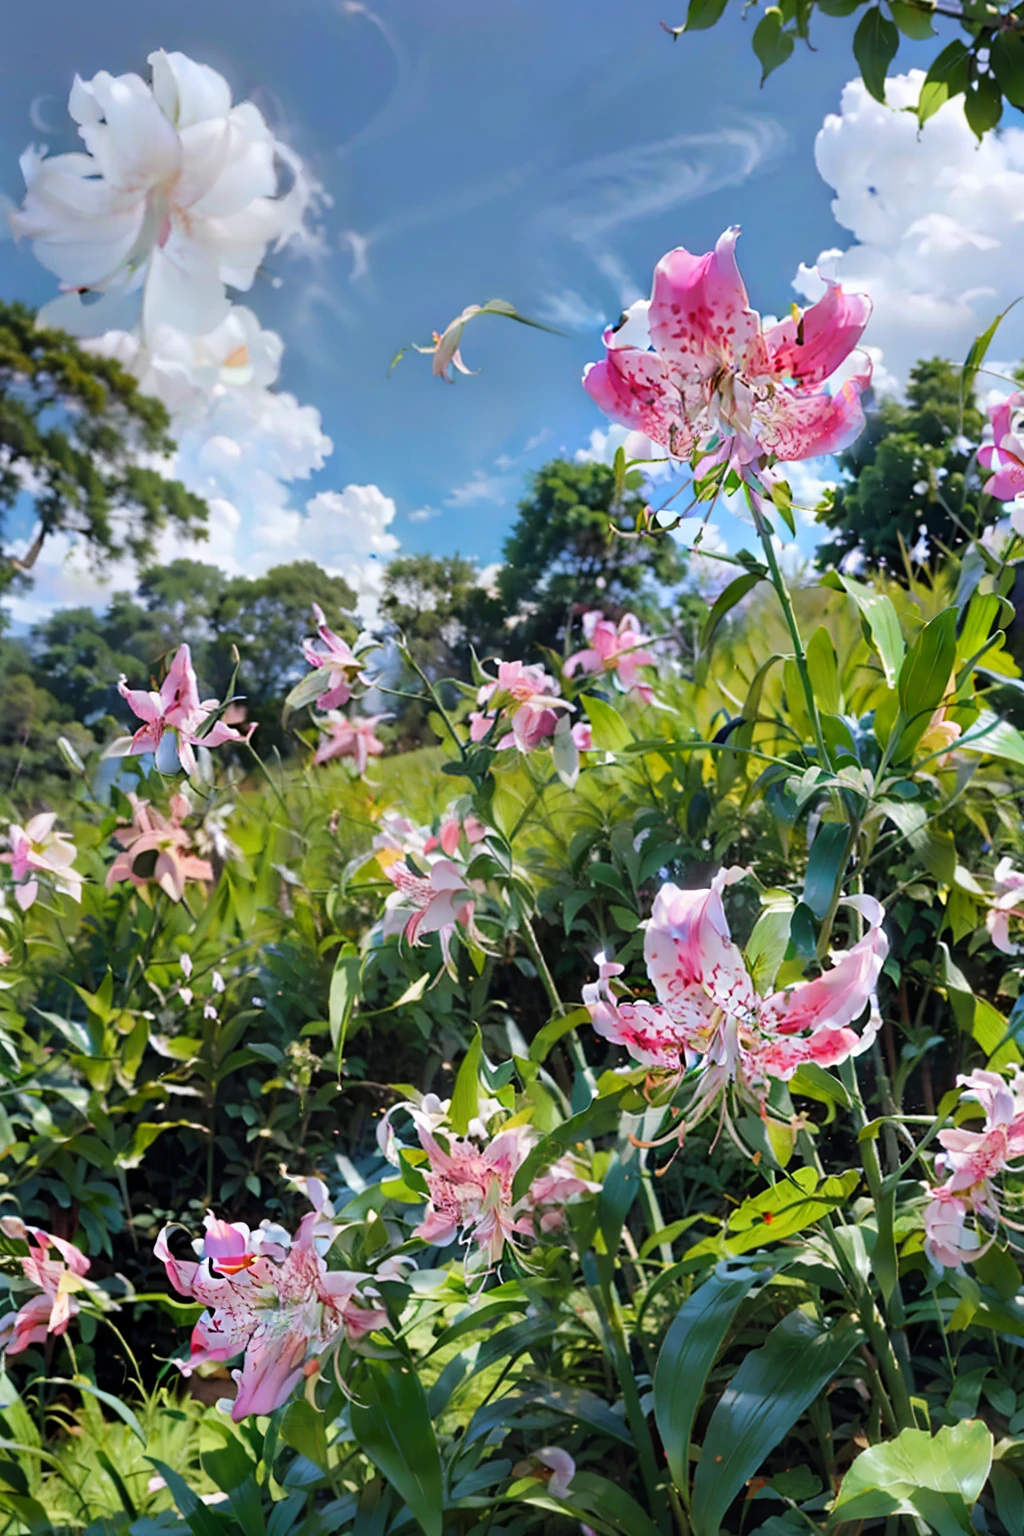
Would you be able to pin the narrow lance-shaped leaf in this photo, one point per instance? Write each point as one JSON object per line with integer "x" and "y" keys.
{"x": 772, "y": 1388}
{"x": 391, "y": 1422}
{"x": 687, "y": 1355}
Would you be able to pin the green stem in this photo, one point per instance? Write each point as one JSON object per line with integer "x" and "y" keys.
{"x": 428, "y": 685}
{"x": 799, "y": 654}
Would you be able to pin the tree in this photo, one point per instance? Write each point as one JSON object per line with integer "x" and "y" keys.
{"x": 75, "y": 431}
{"x": 985, "y": 64}
{"x": 438, "y": 606}
{"x": 912, "y": 469}
{"x": 31, "y": 722}
{"x": 79, "y": 655}
{"x": 562, "y": 556}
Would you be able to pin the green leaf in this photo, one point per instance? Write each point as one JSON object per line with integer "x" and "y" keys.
{"x": 687, "y": 1355}
{"x": 391, "y": 1422}
{"x": 789, "y": 1206}
{"x": 879, "y": 617}
{"x": 1007, "y": 54}
{"x": 826, "y": 865}
{"x": 938, "y": 1478}
{"x": 824, "y": 670}
{"x": 610, "y": 732}
{"x": 875, "y": 44}
{"x": 989, "y": 736}
{"x": 200, "y": 1520}
{"x": 924, "y": 676}
{"x": 342, "y": 996}
{"x": 983, "y": 105}
{"x": 773, "y": 46}
{"x": 769, "y": 1392}
{"x": 914, "y": 21}
{"x": 304, "y": 1429}
{"x": 947, "y": 77}
{"x": 550, "y": 1033}
{"x": 306, "y": 691}
{"x": 466, "y": 1093}
{"x": 122, "y": 1410}
{"x": 978, "y": 351}
{"x": 702, "y": 14}
{"x": 734, "y": 592}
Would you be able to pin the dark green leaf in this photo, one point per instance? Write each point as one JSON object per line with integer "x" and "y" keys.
{"x": 769, "y": 1392}
{"x": 391, "y": 1423}
{"x": 773, "y": 45}
{"x": 200, "y": 1520}
{"x": 925, "y": 674}
{"x": 875, "y": 44}
{"x": 913, "y": 20}
{"x": 687, "y": 1355}
{"x": 938, "y": 1479}
{"x": 983, "y": 105}
{"x": 737, "y": 589}
{"x": 702, "y": 14}
{"x": 1008, "y": 63}
{"x": 826, "y": 865}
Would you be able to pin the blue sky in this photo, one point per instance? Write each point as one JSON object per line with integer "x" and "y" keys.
{"x": 544, "y": 151}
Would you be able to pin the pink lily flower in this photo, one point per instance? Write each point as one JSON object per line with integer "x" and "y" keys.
{"x": 272, "y": 1298}
{"x": 356, "y": 739}
{"x": 164, "y": 836}
{"x": 37, "y": 848}
{"x": 437, "y": 902}
{"x": 529, "y": 698}
{"x": 470, "y": 1189}
{"x": 709, "y": 1014}
{"x": 340, "y": 662}
{"x": 1004, "y": 456}
{"x": 1008, "y": 903}
{"x": 56, "y": 1279}
{"x": 561, "y": 1469}
{"x": 706, "y": 378}
{"x": 614, "y": 648}
{"x": 583, "y": 735}
{"x": 177, "y": 709}
{"x": 971, "y": 1162}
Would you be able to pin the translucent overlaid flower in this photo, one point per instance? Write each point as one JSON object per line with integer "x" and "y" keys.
{"x": 157, "y": 849}
{"x": 175, "y": 709}
{"x": 1007, "y": 906}
{"x": 562, "y": 1469}
{"x": 970, "y": 1163}
{"x": 336, "y": 657}
{"x": 1004, "y": 456}
{"x": 176, "y": 196}
{"x": 38, "y": 848}
{"x": 709, "y": 1014}
{"x": 271, "y": 1297}
{"x": 55, "y": 1270}
{"x": 694, "y": 369}
{"x": 618, "y": 648}
{"x": 356, "y": 738}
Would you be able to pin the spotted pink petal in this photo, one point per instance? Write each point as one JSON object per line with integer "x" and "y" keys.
{"x": 700, "y": 319}
{"x": 810, "y": 352}
{"x": 631, "y": 387}
{"x": 797, "y": 426}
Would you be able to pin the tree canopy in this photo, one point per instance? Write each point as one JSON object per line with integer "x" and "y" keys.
{"x": 76, "y": 432}
{"x": 911, "y": 471}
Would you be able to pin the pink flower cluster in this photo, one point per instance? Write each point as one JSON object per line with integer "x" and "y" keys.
{"x": 530, "y": 700}
{"x": 340, "y": 664}
{"x": 36, "y": 849}
{"x": 56, "y": 1281}
{"x": 695, "y": 371}
{"x": 617, "y": 648}
{"x": 469, "y": 1181}
{"x": 271, "y": 1297}
{"x": 1004, "y": 456}
{"x": 162, "y": 839}
{"x": 971, "y": 1162}
{"x": 176, "y": 710}
{"x": 432, "y": 891}
{"x": 709, "y": 1014}
{"x": 356, "y": 739}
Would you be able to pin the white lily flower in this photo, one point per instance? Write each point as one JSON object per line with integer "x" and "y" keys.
{"x": 175, "y": 197}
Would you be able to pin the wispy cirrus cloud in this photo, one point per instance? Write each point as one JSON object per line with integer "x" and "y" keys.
{"x": 480, "y": 487}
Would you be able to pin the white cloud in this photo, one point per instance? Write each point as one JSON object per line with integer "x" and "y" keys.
{"x": 480, "y": 487}
{"x": 937, "y": 220}
{"x": 424, "y": 514}
{"x": 570, "y": 311}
